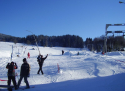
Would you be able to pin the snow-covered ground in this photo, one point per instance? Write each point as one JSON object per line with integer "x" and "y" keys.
{"x": 85, "y": 72}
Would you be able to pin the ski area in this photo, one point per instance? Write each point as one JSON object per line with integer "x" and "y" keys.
{"x": 88, "y": 71}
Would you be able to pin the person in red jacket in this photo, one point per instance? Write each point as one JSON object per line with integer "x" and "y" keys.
{"x": 28, "y": 55}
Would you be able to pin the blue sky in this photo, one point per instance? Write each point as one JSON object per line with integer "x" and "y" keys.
{"x": 85, "y": 18}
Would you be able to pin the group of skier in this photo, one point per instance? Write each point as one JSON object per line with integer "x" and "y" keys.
{"x": 24, "y": 72}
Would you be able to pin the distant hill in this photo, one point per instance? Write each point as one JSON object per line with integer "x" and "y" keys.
{"x": 4, "y": 35}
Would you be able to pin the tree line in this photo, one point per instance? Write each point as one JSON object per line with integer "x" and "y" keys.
{"x": 114, "y": 43}
{"x": 48, "y": 41}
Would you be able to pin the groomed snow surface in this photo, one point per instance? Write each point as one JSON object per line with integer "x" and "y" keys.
{"x": 85, "y": 72}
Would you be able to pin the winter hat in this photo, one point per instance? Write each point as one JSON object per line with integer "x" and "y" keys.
{"x": 24, "y": 60}
{"x": 12, "y": 62}
{"x": 41, "y": 55}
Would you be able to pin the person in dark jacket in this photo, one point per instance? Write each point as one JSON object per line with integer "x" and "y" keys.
{"x": 24, "y": 73}
{"x": 62, "y": 52}
{"x": 40, "y": 60}
{"x": 11, "y": 74}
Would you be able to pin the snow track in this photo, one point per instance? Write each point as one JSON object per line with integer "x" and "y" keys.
{"x": 3, "y": 66}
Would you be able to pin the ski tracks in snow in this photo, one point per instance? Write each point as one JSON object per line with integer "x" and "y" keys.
{"x": 85, "y": 65}
{"x": 3, "y": 70}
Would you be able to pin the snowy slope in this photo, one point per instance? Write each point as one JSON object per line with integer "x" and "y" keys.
{"x": 85, "y": 72}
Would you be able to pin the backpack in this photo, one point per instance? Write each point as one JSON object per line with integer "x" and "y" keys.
{"x": 38, "y": 59}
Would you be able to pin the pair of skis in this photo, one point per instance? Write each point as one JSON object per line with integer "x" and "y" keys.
{"x": 24, "y": 88}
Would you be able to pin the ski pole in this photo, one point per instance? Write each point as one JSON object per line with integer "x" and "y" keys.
{"x": 12, "y": 53}
{"x": 3, "y": 80}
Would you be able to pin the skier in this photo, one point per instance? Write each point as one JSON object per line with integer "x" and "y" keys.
{"x": 11, "y": 74}
{"x": 62, "y": 52}
{"x": 78, "y": 53}
{"x": 28, "y": 55}
{"x": 40, "y": 61}
{"x": 24, "y": 73}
